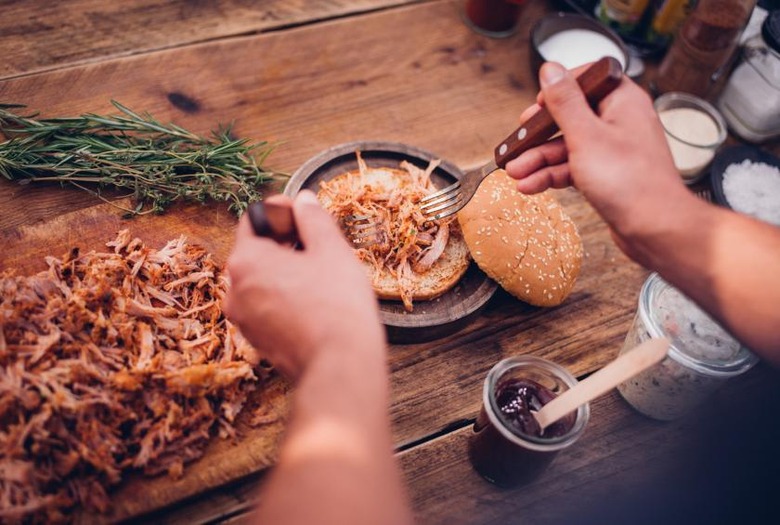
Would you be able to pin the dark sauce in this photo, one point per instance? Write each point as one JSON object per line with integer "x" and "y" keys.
{"x": 505, "y": 462}
{"x": 517, "y": 398}
{"x": 493, "y": 16}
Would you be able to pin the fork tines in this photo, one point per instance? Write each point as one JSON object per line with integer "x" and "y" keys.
{"x": 361, "y": 230}
{"x": 443, "y": 203}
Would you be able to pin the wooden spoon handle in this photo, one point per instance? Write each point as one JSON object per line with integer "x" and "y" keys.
{"x": 624, "y": 367}
{"x": 600, "y": 79}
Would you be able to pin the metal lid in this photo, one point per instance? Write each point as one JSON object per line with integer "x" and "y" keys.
{"x": 770, "y": 30}
{"x": 698, "y": 342}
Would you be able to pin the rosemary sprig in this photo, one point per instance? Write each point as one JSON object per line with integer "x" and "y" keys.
{"x": 158, "y": 163}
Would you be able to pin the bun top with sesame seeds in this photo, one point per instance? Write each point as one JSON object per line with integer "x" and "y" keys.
{"x": 526, "y": 243}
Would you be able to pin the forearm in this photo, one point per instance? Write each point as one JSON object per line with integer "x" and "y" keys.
{"x": 727, "y": 263}
{"x": 336, "y": 464}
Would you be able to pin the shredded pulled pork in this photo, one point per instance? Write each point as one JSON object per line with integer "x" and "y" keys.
{"x": 409, "y": 243}
{"x": 111, "y": 362}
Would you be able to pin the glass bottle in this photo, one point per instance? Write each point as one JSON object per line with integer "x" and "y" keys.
{"x": 493, "y": 18}
{"x": 622, "y": 15}
{"x": 704, "y": 47}
{"x": 750, "y": 101}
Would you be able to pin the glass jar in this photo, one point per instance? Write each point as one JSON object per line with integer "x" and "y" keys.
{"x": 701, "y": 358}
{"x": 493, "y": 18}
{"x": 703, "y": 48}
{"x": 622, "y": 15}
{"x": 694, "y": 131}
{"x": 498, "y": 449}
{"x": 750, "y": 102}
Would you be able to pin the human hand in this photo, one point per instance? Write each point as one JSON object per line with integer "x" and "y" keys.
{"x": 290, "y": 304}
{"x": 618, "y": 158}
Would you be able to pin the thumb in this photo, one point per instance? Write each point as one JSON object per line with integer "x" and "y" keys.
{"x": 566, "y": 102}
{"x": 316, "y": 227}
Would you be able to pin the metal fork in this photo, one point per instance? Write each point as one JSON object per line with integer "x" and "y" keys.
{"x": 704, "y": 194}
{"x": 361, "y": 230}
{"x": 276, "y": 221}
{"x": 596, "y": 82}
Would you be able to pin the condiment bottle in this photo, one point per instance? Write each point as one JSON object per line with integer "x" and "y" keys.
{"x": 750, "y": 102}
{"x": 494, "y": 18}
{"x": 668, "y": 16}
{"x": 704, "y": 47}
{"x": 622, "y": 15}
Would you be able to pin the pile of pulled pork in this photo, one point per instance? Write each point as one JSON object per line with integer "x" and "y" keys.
{"x": 410, "y": 244}
{"x": 111, "y": 362}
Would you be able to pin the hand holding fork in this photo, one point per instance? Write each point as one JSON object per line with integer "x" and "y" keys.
{"x": 596, "y": 82}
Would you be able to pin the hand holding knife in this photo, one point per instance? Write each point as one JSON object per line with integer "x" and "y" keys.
{"x": 274, "y": 219}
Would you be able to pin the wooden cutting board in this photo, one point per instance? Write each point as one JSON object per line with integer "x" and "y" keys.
{"x": 227, "y": 460}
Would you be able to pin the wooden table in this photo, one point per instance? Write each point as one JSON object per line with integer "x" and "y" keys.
{"x": 313, "y": 74}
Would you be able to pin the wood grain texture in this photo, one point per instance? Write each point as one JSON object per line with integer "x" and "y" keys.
{"x": 412, "y": 74}
{"x": 620, "y": 463}
{"x": 36, "y": 36}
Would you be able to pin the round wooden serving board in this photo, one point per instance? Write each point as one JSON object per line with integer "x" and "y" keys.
{"x": 429, "y": 319}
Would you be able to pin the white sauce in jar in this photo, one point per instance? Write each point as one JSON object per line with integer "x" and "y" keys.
{"x": 693, "y": 138}
{"x": 575, "y": 47}
{"x": 702, "y": 357}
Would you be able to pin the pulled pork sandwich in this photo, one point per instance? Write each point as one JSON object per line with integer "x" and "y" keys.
{"x": 416, "y": 258}
{"x": 111, "y": 362}
{"x": 526, "y": 243}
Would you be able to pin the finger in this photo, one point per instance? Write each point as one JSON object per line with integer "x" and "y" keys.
{"x": 316, "y": 228}
{"x": 566, "y": 102}
{"x": 627, "y": 103}
{"x": 280, "y": 199}
{"x": 529, "y": 112}
{"x": 551, "y": 153}
{"x": 577, "y": 71}
{"x": 250, "y": 252}
{"x": 550, "y": 177}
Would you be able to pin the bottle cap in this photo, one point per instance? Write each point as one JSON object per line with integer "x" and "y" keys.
{"x": 770, "y": 30}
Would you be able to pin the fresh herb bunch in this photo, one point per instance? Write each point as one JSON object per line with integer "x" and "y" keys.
{"x": 158, "y": 163}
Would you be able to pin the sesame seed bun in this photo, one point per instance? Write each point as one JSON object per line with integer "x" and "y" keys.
{"x": 526, "y": 243}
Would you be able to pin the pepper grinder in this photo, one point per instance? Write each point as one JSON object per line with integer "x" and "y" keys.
{"x": 704, "y": 48}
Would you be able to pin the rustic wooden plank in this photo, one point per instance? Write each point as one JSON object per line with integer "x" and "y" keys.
{"x": 621, "y": 457}
{"x": 622, "y": 461}
{"x": 37, "y": 36}
{"x": 412, "y": 74}
{"x": 583, "y": 334}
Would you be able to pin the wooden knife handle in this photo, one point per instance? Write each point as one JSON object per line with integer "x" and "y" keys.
{"x": 596, "y": 82}
{"x": 274, "y": 221}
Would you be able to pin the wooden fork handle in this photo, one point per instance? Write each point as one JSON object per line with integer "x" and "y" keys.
{"x": 273, "y": 220}
{"x": 596, "y": 82}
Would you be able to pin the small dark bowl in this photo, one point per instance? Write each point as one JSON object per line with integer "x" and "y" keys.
{"x": 734, "y": 155}
{"x": 555, "y": 23}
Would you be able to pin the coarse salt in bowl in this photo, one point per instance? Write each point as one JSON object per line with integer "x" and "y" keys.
{"x": 747, "y": 180}
{"x": 753, "y": 188}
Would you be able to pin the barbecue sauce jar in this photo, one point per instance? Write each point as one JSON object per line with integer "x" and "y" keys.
{"x": 495, "y": 18}
{"x": 506, "y": 447}
{"x": 704, "y": 47}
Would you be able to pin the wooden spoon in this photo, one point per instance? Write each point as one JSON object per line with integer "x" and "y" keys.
{"x": 624, "y": 367}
